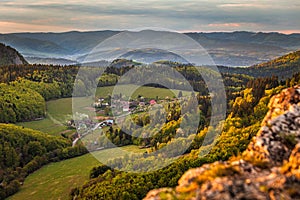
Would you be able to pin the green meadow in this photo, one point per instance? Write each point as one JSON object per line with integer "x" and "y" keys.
{"x": 60, "y": 110}
{"x": 147, "y": 92}
{"x": 55, "y": 180}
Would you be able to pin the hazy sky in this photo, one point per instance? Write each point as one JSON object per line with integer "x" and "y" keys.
{"x": 179, "y": 15}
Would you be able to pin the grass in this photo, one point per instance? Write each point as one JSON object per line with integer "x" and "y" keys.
{"x": 57, "y": 113}
{"x": 55, "y": 180}
{"x": 60, "y": 110}
{"x": 147, "y": 92}
{"x": 46, "y": 125}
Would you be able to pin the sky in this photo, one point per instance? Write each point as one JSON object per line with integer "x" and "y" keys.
{"x": 178, "y": 15}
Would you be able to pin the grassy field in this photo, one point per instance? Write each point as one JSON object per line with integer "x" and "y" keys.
{"x": 147, "y": 92}
{"x": 55, "y": 181}
{"x": 59, "y": 111}
{"x": 46, "y": 125}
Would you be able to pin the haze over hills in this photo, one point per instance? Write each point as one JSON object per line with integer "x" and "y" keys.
{"x": 9, "y": 56}
{"x": 153, "y": 55}
{"x": 283, "y": 67}
{"x": 230, "y": 49}
{"x": 289, "y": 60}
{"x": 53, "y": 61}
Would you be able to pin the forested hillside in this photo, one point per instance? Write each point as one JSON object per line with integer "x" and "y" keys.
{"x": 289, "y": 60}
{"x": 242, "y": 124}
{"x": 282, "y": 67}
{"x": 25, "y": 88}
{"x": 268, "y": 169}
{"x": 20, "y": 104}
{"x": 9, "y": 56}
{"x": 23, "y": 151}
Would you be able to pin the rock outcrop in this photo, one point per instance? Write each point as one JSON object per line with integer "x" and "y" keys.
{"x": 9, "y": 56}
{"x": 268, "y": 169}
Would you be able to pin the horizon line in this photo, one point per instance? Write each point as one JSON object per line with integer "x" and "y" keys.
{"x": 286, "y": 32}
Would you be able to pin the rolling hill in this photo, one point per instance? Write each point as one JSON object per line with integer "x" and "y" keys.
{"x": 230, "y": 49}
{"x": 289, "y": 60}
{"x": 9, "y": 56}
{"x": 283, "y": 67}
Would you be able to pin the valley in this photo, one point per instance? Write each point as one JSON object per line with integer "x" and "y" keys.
{"x": 60, "y": 111}
{"x": 149, "y": 100}
{"x": 238, "y": 48}
{"x": 39, "y": 159}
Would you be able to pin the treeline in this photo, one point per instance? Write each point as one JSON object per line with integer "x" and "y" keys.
{"x": 63, "y": 76}
{"x": 47, "y": 90}
{"x": 22, "y": 151}
{"x": 164, "y": 75}
{"x": 24, "y": 100}
{"x": 20, "y": 104}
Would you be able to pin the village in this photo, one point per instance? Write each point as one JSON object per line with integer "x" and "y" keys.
{"x": 111, "y": 111}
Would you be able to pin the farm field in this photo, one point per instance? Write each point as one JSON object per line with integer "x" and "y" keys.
{"x": 147, "y": 92}
{"x": 55, "y": 180}
{"x": 60, "y": 110}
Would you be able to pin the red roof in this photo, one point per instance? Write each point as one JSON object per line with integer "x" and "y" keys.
{"x": 152, "y": 102}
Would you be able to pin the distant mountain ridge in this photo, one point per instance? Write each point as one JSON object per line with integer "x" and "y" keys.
{"x": 231, "y": 49}
{"x": 272, "y": 38}
{"x": 9, "y": 56}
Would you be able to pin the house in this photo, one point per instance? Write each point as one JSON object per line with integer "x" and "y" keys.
{"x": 110, "y": 122}
{"x": 100, "y": 99}
{"x": 152, "y": 102}
{"x": 105, "y": 104}
{"x": 97, "y": 105}
{"x": 125, "y": 107}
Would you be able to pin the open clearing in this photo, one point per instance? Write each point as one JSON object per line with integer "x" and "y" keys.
{"x": 55, "y": 180}
{"x": 147, "y": 92}
{"x": 60, "y": 110}
{"x": 57, "y": 113}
